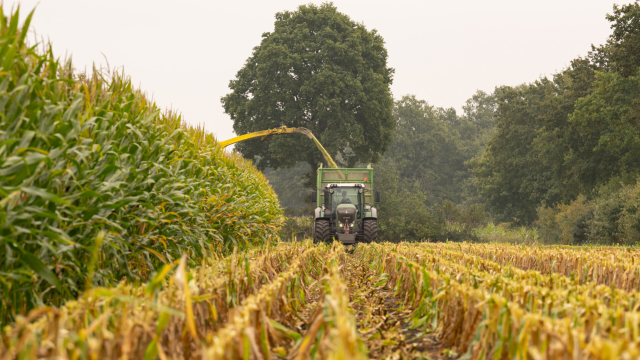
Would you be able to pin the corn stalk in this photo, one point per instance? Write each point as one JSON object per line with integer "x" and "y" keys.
{"x": 140, "y": 322}
{"x": 478, "y": 319}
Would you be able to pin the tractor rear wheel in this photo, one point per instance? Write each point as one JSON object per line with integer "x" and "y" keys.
{"x": 322, "y": 231}
{"x": 370, "y": 230}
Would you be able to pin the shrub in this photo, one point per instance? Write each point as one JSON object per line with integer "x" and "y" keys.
{"x": 616, "y": 219}
{"x": 506, "y": 233}
{"x": 565, "y": 224}
{"x": 403, "y": 216}
{"x": 296, "y": 228}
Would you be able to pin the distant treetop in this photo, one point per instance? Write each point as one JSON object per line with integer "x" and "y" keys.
{"x": 320, "y": 70}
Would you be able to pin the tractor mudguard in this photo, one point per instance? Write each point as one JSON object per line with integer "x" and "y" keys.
{"x": 318, "y": 214}
{"x": 374, "y": 215}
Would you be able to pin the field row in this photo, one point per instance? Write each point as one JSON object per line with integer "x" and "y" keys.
{"x": 245, "y": 306}
{"x": 611, "y": 266}
{"x": 485, "y": 309}
{"x": 304, "y": 301}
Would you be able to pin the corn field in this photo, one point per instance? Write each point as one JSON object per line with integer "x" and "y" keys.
{"x": 298, "y": 300}
{"x": 126, "y": 234}
{"x": 97, "y": 184}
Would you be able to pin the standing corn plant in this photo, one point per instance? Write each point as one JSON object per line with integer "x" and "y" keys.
{"x": 82, "y": 155}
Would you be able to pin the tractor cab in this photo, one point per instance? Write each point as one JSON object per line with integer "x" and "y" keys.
{"x": 345, "y": 212}
{"x": 346, "y": 202}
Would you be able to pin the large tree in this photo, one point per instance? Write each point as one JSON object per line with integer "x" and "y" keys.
{"x": 320, "y": 70}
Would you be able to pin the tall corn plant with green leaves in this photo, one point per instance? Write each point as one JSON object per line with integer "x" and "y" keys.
{"x": 97, "y": 185}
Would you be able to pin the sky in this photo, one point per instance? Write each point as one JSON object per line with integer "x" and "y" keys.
{"x": 184, "y": 53}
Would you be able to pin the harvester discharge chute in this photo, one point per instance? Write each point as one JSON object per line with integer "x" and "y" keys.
{"x": 344, "y": 209}
{"x": 283, "y": 130}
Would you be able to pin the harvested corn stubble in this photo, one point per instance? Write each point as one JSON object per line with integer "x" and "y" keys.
{"x": 263, "y": 318}
{"x": 131, "y": 321}
{"x": 314, "y": 301}
{"x": 617, "y": 266}
{"x": 331, "y": 333}
{"x": 478, "y": 318}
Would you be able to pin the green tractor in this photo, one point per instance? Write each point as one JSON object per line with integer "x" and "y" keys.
{"x": 345, "y": 210}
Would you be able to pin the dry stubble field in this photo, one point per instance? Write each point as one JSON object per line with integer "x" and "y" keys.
{"x": 398, "y": 301}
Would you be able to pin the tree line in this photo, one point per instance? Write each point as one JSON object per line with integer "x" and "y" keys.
{"x": 566, "y": 146}
{"x": 561, "y": 153}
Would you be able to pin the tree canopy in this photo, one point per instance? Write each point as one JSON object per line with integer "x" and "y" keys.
{"x": 623, "y": 46}
{"x": 560, "y": 137}
{"x": 429, "y": 151}
{"x": 320, "y": 70}
{"x": 425, "y": 176}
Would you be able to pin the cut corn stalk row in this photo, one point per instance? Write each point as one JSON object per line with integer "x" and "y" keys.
{"x": 589, "y": 306}
{"x": 138, "y": 322}
{"x": 332, "y": 327}
{"x": 257, "y": 305}
{"x": 455, "y": 262}
{"x": 262, "y": 321}
{"x": 619, "y": 267}
{"x": 482, "y": 322}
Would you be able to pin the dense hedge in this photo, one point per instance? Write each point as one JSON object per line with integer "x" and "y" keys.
{"x": 612, "y": 217}
{"x": 90, "y": 167}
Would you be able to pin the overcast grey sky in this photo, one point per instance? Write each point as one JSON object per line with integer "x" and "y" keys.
{"x": 185, "y": 52}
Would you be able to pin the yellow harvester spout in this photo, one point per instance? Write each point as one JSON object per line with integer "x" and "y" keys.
{"x": 283, "y": 130}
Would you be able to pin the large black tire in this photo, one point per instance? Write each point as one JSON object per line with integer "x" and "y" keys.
{"x": 370, "y": 230}
{"x": 322, "y": 231}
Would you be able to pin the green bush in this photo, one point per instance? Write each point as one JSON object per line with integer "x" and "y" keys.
{"x": 288, "y": 183}
{"x": 296, "y": 228}
{"x": 507, "y": 233}
{"x": 89, "y": 167}
{"x": 403, "y": 216}
{"x": 612, "y": 217}
{"x": 616, "y": 219}
{"x": 566, "y": 224}
{"x": 464, "y": 220}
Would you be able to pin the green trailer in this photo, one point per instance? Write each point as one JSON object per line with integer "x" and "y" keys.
{"x": 345, "y": 211}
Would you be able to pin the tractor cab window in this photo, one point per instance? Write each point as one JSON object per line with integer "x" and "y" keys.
{"x": 345, "y": 199}
{"x": 346, "y": 195}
